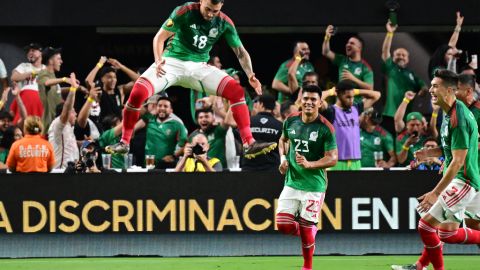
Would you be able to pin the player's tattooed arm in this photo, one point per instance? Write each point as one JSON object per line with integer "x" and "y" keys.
{"x": 244, "y": 59}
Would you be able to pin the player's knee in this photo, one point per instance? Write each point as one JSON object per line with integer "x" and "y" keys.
{"x": 233, "y": 92}
{"x": 449, "y": 237}
{"x": 142, "y": 90}
{"x": 286, "y": 223}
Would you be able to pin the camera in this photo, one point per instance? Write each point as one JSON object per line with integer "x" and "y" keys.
{"x": 197, "y": 149}
{"x": 89, "y": 157}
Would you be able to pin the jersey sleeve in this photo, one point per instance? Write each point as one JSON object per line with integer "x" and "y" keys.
{"x": 368, "y": 76}
{"x": 231, "y": 36}
{"x": 460, "y": 136}
{"x": 106, "y": 138}
{"x": 181, "y": 135}
{"x": 339, "y": 59}
{"x": 173, "y": 22}
{"x": 387, "y": 65}
{"x": 282, "y": 73}
{"x": 387, "y": 142}
{"x": 3, "y": 70}
{"x": 284, "y": 129}
{"x": 329, "y": 141}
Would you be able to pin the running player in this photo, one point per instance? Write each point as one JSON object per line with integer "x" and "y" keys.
{"x": 191, "y": 30}
{"x": 307, "y": 147}
{"x": 444, "y": 207}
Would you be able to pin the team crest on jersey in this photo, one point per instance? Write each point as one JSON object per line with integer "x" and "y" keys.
{"x": 292, "y": 131}
{"x": 168, "y": 132}
{"x": 358, "y": 71}
{"x": 313, "y": 136}
{"x": 169, "y": 23}
{"x": 411, "y": 76}
{"x": 213, "y": 33}
{"x": 263, "y": 120}
{"x": 193, "y": 26}
{"x": 377, "y": 141}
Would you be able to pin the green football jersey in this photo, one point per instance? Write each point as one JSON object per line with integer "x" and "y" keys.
{"x": 379, "y": 140}
{"x": 475, "y": 109}
{"x": 401, "y": 139}
{"x": 194, "y": 36}
{"x": 216, "y": 139}
{"x": 282, "y": 75}
{"x": 459, "y": 131}
{"x": 163, "y": 137}
{"x": 310, "y": 140}
{"x": 108, "y": 138}
{"x": 361, "y": 70}
{"x": 399, "y": 81}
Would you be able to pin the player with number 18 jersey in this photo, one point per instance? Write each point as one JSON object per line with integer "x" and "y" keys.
{"x": 190, "y": 32}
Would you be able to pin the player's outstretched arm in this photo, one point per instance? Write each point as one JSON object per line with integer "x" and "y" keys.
{"x": 387, "y": 42}
{"x": 246, "y": 63}
{"x": 326, "y": 43}
{"x": 158, "y": 46}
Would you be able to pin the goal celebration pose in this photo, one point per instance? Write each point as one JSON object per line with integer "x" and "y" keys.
{"x": 307, "y": 147}
{"x": 190, "y": 32}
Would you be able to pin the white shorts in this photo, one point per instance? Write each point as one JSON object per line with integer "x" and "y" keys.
{"x": 301, "y": 203}
{"x": 199, "y": 76}
{"x": 473, "y": 208}
{"x": 452, "y": 203}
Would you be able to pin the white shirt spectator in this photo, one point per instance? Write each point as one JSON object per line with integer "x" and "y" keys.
{"x": 3, "y": 70}
{"x": 64, "y": 144}
{"x": 28, "y": 68}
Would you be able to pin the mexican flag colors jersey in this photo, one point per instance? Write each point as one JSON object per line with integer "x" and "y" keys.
{"x": 459, "y": 131}
{"x": 310, "y": 140}
{"x": 194, "y": 36}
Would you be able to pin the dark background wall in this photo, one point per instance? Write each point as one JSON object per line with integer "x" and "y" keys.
{"x": 125, "y": 29}
{"x": 245, "y": 13}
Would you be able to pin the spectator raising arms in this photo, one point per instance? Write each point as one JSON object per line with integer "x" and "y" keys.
{"x": 32, "y": 153}
{"x": 351, "y": 66}
{"x": 60, "y": 133}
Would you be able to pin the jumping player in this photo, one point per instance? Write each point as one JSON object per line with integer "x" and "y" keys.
{"x": 307, "y": 147}
{"x": 190, "y": 32}
{"x": 445, "y": 205}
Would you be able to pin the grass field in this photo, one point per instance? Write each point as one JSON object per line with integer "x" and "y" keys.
{"x": 230, "y": 263}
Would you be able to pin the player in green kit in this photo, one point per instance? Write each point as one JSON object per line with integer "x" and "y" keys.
{"x": 190, "y": 32}
{"x": 307, "y": 147}
{"x": 443, "y": 208}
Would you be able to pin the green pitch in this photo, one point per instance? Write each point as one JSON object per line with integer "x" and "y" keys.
{"x": 230, "y": 263}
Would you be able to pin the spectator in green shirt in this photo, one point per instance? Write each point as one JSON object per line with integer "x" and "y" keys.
{"x": 400, "y": 78}
{"x": 351, "y": 66}
{"x": 166, "y": 136}
{"x": 376, "y": 143}
{"x": 292, "y": 71}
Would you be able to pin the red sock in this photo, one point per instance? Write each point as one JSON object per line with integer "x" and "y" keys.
{"x": 461, "y": 236}
{"x": 233, "y": 91}
{"x": 142, "y": 90}
{"x": 286, "y": 224}
{"x": 308, "y": 230}
{"x": 423, "y": 261}
{"x": 433, "y": 245}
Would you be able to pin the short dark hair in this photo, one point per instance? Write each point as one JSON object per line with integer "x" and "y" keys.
{"x": 285, "y": 107}
{"x": 312, "y": 89}
{"x": 268, "y": 101}
{"x": 345, "y": 85}
{"x": 362, "y": 42}
{"x": 108, "y": 121}
{"x": 105, "y": 70}
{"x": 449, "y": 78}
{"x": 164, "y": 98}
{"x": 205, "y": 110}
{"x": 6, "y": 115}
{"x": 430, "y": 139}
{"x": 295, "y": 44}
{"x": 467, "y": 79}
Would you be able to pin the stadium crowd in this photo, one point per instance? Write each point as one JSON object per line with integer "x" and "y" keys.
{"x": 80, "y": 118}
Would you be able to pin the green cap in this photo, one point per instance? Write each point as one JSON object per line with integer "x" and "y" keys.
{"x": 414, "y": 116}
